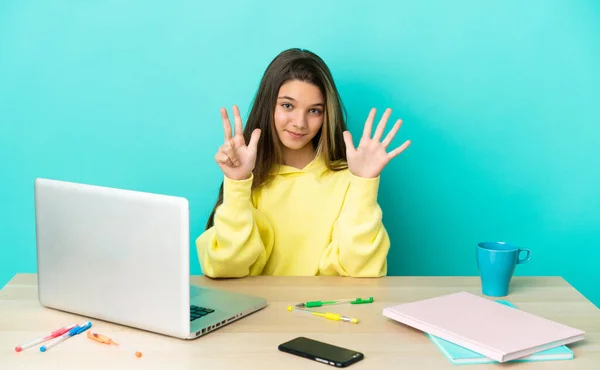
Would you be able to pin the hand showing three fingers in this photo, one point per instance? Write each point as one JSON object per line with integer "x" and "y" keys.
{"x": 371, "y": 156}
{"x": 235, "y": 158}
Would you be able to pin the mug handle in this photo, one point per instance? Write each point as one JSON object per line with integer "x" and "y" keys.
{"x": 527, "y": 256}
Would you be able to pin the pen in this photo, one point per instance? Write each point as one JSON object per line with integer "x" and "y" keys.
{"x": 327, "y": 315}
{"x": 52, "y": 335}
{"x": 337, "y": 301}
{"x": 76, "y": 330}
{"x": 106, "y": 340}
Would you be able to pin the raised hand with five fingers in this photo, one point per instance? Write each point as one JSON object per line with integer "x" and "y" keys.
{"x": 234, "y": 157}
{"x": 371, "y": 156}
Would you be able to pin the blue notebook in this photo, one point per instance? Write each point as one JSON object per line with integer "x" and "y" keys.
{"x": 459, "y": 355}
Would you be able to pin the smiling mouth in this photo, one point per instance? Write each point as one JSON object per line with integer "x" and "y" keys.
{"x": 295, "y": 135}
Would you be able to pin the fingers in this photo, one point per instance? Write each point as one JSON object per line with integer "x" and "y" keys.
{"x": 399, "y": 149}
{"x": 229, "y": 151}
{"x": 381, "y": 125}
{"x": 254, "y": 139}
{"x": 390, "y": 136}
{"x": 226, "y": 124}
{"x": 238, "y": 121}
{"x": 237, "y": 118}
{"x": 369, "y": 124}
{"x": 348, "y": 140}
{"x": 222, "y": 159}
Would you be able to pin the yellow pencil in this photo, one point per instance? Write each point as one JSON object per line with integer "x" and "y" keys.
{"x": 327, "y": 315}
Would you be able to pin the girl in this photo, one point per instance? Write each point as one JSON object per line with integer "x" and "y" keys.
{"x": 297, "y": 197}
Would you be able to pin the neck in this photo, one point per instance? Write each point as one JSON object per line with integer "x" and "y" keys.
{"x": 299, "y": 158}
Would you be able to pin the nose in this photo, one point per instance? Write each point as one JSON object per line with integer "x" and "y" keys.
{"x": 300, "y": 121}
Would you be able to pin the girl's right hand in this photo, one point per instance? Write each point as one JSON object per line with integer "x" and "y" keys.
{"x": 235, "y": 158}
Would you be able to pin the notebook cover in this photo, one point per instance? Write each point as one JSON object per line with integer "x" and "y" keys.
{"x": 460, "y": 356}
{"x": 481, "y": 325}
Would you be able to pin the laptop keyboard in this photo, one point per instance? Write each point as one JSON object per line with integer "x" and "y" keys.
{"x": 197, "y": 312}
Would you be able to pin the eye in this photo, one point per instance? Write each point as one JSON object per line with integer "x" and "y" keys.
{"x": 316, "y": 111}
{"x": 286, "y": 105}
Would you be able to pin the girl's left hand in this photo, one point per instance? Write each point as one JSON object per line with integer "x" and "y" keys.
{"x": 369, "y": 159}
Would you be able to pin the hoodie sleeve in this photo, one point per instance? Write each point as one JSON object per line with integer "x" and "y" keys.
{"x": 359, "y": 242}
{"x": 241, "y": 239}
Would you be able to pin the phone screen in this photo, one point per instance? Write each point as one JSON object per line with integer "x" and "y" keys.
{"x": 321, "y": 352}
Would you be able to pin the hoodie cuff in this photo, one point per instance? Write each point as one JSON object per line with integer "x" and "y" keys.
{"x": 363, "y": 191}
{"x": 237, "y": 193}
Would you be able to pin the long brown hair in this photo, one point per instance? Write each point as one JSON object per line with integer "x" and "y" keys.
{"x": 302, "y": 65}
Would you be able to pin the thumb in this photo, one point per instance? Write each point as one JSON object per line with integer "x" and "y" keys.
{"x": 348, "y": 141}
{"x": 254, "y": 139}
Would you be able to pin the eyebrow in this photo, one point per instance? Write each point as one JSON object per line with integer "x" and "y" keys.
{"x": 292, "y": 99}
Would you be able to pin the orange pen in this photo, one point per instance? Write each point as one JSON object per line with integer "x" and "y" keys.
{"x": 106, "y": 340}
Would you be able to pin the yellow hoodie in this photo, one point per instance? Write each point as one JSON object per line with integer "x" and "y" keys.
{"x": 310, "y": 221}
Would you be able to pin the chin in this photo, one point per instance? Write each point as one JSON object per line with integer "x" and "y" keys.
{"x": 294, "y": 145}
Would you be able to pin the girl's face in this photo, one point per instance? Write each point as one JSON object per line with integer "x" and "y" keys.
{"x": 298, "y": 114}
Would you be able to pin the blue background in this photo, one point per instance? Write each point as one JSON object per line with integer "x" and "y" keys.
{"x": 499, "y": 98}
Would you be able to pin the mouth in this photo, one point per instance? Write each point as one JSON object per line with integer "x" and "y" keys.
{"x": 295, "y": 135}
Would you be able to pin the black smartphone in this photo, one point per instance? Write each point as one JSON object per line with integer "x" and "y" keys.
{"x": 321, "y": 352}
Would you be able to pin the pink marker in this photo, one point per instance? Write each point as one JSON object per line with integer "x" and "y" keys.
{"x": 54, "y": 334}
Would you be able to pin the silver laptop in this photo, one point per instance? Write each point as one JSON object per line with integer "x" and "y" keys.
{"x": 123, "y": 256}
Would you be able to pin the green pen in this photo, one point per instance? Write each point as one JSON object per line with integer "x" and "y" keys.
{"x": 337, "y": 301}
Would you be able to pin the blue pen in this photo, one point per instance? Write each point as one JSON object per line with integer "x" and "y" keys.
{"x": 76, "y": 330}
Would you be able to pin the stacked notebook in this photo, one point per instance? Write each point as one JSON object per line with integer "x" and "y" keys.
{"x": 459, "y": 355}
{"x": 492, "y": 331}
